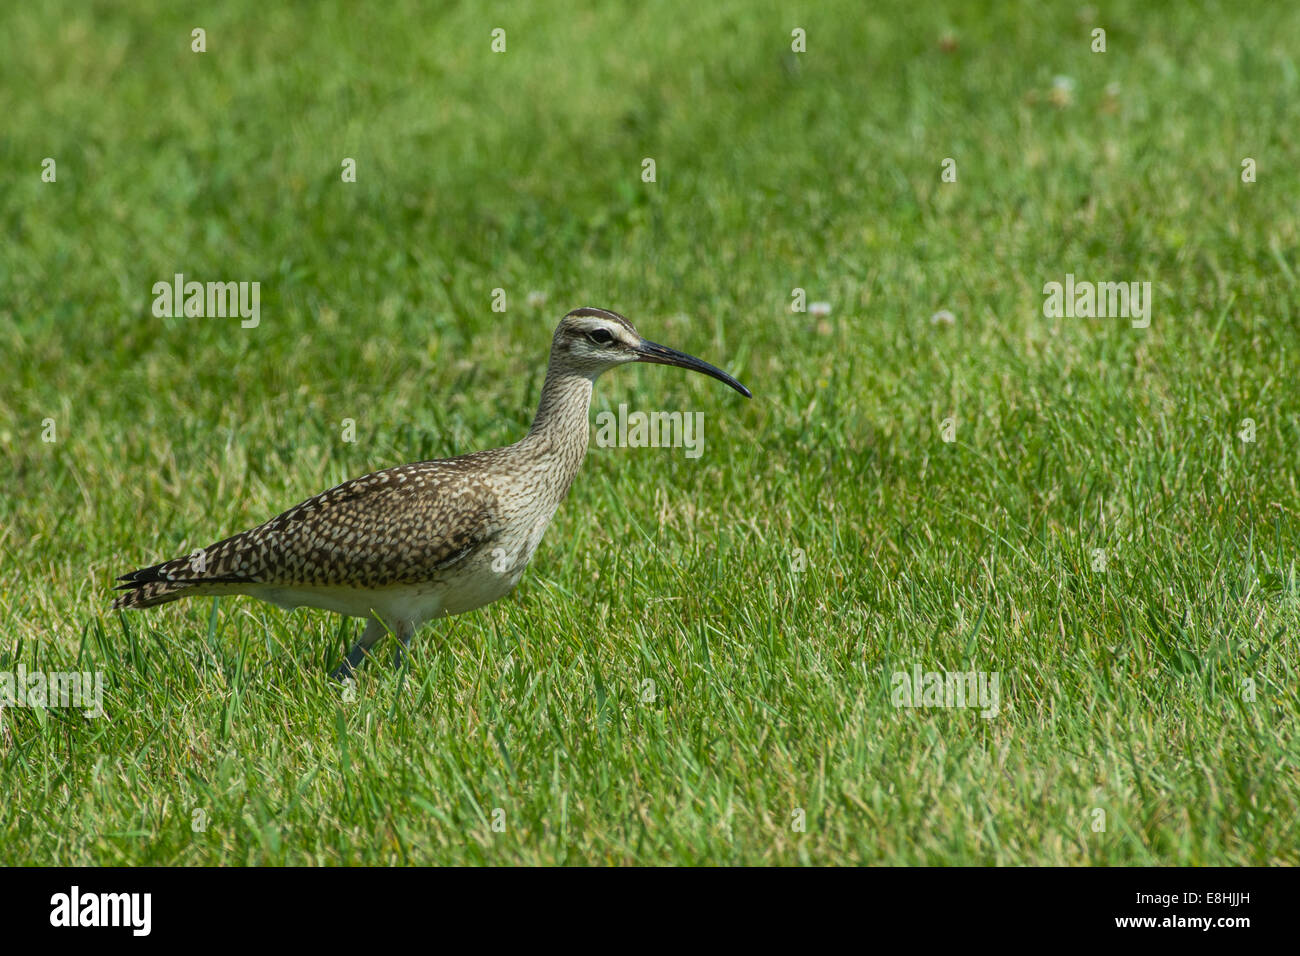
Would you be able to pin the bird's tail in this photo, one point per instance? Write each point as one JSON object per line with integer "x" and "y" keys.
{"x": 164, "y": 583}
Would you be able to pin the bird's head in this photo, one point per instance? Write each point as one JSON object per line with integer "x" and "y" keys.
{"x": 591, "y": 341}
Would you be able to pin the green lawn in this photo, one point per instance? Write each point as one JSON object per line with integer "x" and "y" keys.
{"x": 703, "y": 647}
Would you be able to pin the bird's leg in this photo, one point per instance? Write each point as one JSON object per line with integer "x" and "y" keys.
{"x": 405, "y": 631}
{"x": 373, "y": 632}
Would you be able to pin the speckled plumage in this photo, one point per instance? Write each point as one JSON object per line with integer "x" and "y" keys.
{"x": 416, "y": 542}
{"x": 384, "y": 529}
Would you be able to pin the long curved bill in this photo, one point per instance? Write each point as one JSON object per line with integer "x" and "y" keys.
{"x": 662, "y": 355}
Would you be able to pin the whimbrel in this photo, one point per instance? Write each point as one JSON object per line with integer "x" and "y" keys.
{"x": 409, "y": 544}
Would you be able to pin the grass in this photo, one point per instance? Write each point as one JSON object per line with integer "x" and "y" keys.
{"x": 665, "y": 686}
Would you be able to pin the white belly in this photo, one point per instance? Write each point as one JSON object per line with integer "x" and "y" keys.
{"x": 415, "y": 603}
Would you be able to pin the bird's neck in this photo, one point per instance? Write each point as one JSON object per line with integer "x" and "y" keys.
{"x": 561, "y": 427}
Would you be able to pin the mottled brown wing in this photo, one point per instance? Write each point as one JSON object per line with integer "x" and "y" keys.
{"x": 398, "y": 526}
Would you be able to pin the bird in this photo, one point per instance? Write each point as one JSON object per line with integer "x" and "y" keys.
{"x": 409, "y": 544}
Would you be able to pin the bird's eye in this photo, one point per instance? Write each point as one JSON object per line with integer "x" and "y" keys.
{"x": 601, "y": 336}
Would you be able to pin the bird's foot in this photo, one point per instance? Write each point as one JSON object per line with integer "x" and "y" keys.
{"x": 399, "y": 655}
{"x": 343, "y": 673}
{"x": 404, "y": 635}
{"x": 347, "y": 670}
